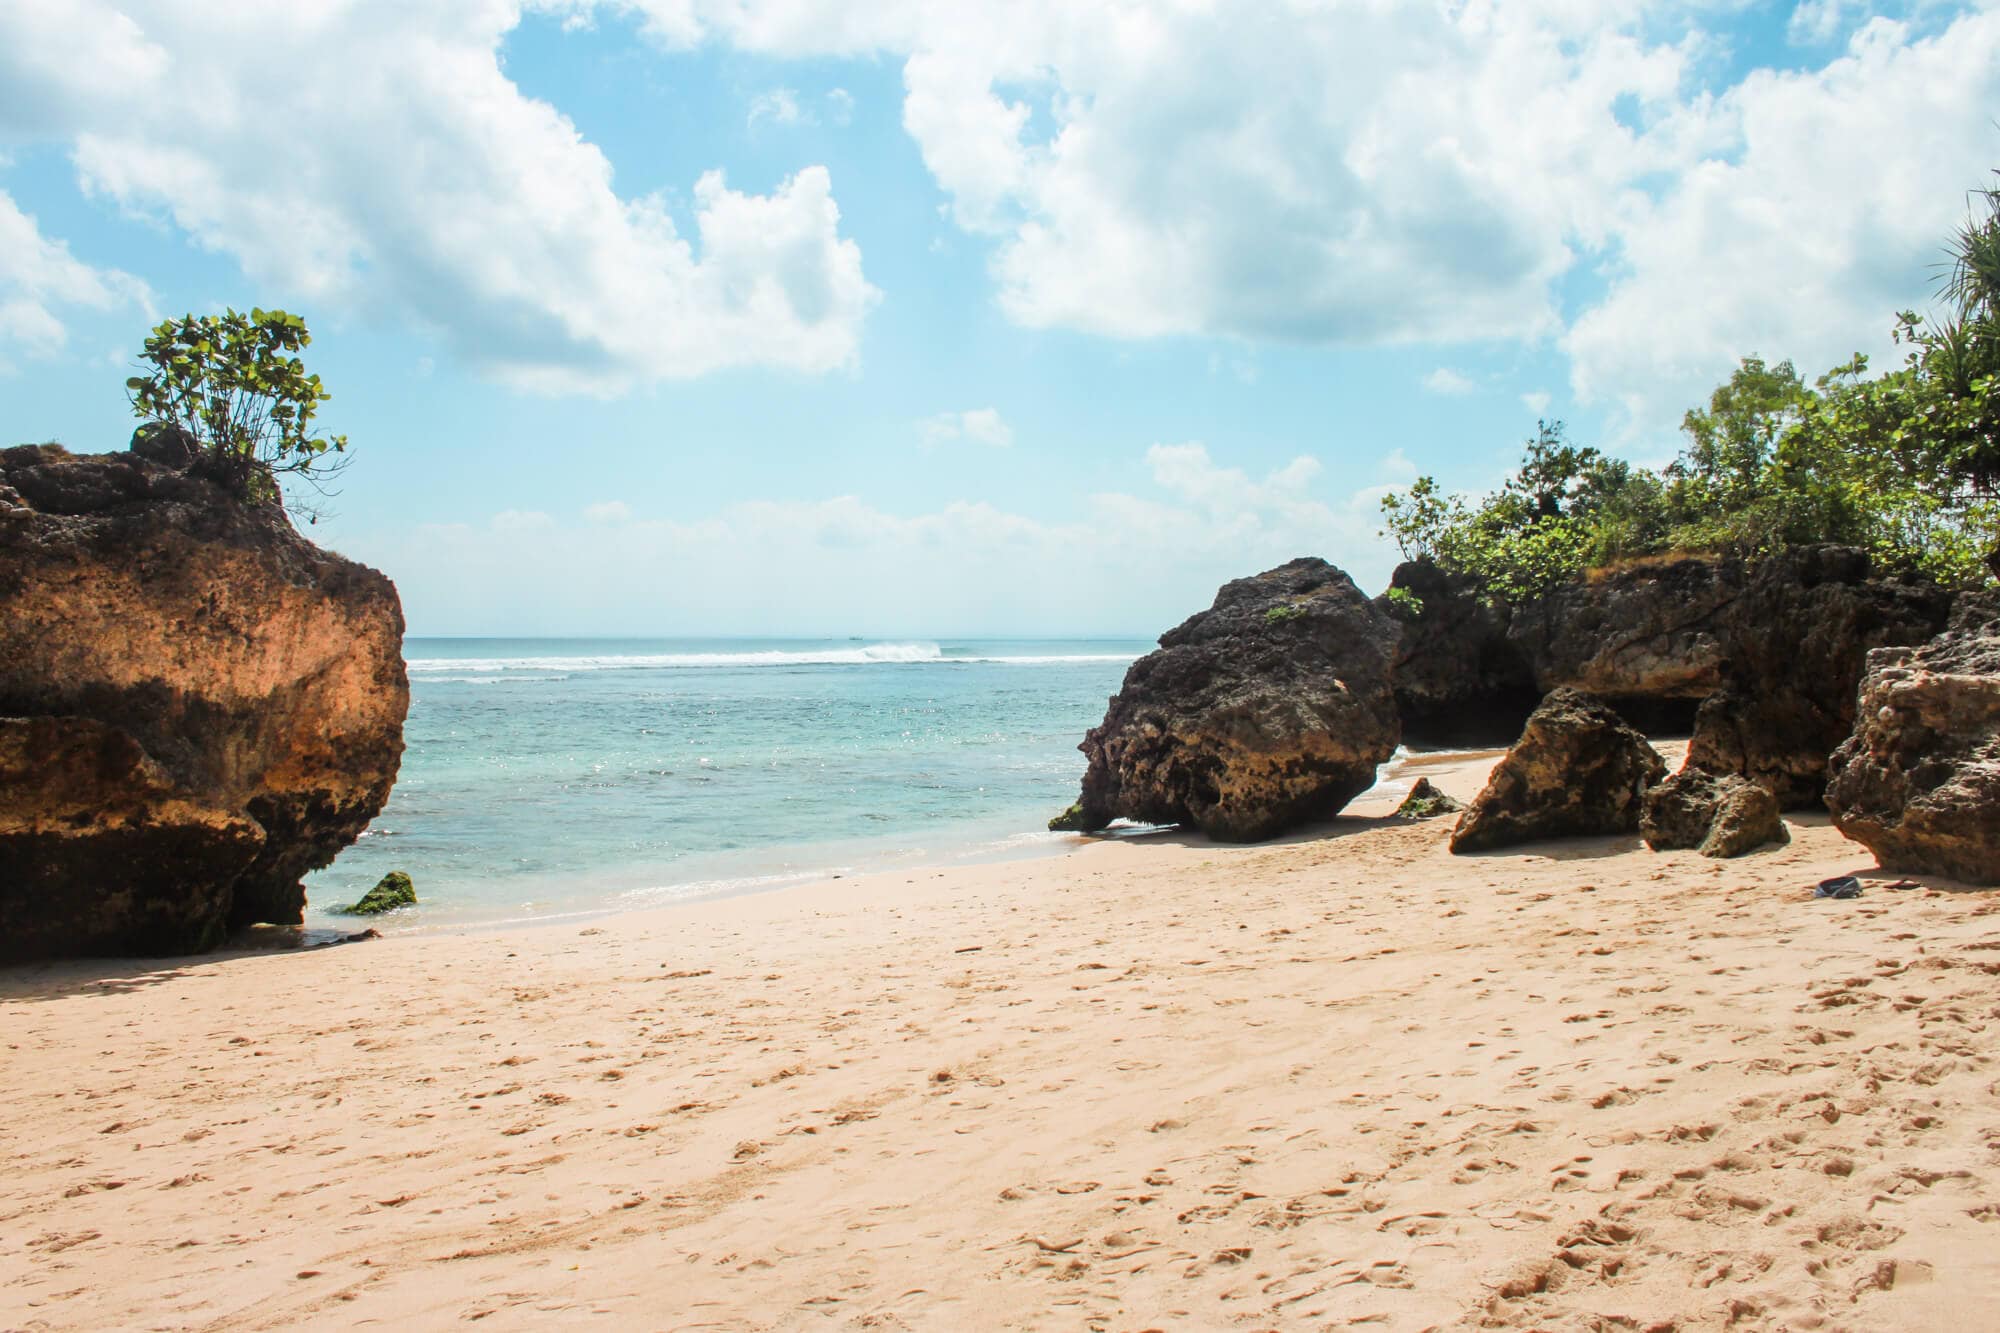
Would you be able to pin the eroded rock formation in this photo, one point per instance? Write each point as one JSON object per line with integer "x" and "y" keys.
{"x": 1918, "y": 783}
{"x": 1770, "y": 652}
{"x": 197, "y": 706}
{"x": 1271, "y": 708}
{"x": 1721, "y": 816}
{"x": 1577, "y": 769}
{"x": 1459, "y": 679}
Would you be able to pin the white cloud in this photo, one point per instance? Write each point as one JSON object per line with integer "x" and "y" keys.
{"x": 1815, "y": 22}
{"x": 1536, "y": 402}
{"x": 1293, "y": 172}
{"x": 843, "y": 565}
{"x": 1392, "y": 173}
{"x": 779, "y": 106}
{"x": 609, "y": 511}
{"x": 1448, "y": 383}
{"x": 1397, "y": 466}
{"x": 1288, "y": 171}
{"x": 39, "y": 278}
{"x": 979, "y": 425}
{"x": 840, "y": 106}
{"x": 372, "y": 156}
{"x": 1820, "y": 213}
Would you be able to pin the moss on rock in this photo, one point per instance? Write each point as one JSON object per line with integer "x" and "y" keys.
{"x": 1425, "y": 801}
{"x": 393, "y": 890}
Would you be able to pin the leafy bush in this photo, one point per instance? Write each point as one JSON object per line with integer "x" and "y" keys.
{"x": 236, "y": 388}
{"x": 1904, "y": 464}
{"x": 1404, "y": 604}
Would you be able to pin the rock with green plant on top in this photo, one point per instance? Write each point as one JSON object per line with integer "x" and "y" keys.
{"x": 1425, "y": 801}
{"x": 393, "y": 890}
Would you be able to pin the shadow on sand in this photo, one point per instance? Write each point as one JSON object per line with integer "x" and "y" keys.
{"x": 57, "y": 979}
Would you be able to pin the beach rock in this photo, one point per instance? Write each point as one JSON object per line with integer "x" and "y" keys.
{"x": 1918, "y": 783}
{"x": 1459, "y": 679}
{"x": 1578, "y": 769}
{"x": 1769, "y": 653}
{"x": 197, "y": 706}
{"x": 1073, "y": 820}
{"x": 1425, "y": 801}
{"x": 391, "y": 891}
{"x": 1723, "y": 816}
{"x": 1271, "y": 708}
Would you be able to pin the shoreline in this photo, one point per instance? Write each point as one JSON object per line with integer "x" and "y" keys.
{"x": 989, "y": 848}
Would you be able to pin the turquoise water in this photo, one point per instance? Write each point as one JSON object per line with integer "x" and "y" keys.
{"x": 553, "y": 778}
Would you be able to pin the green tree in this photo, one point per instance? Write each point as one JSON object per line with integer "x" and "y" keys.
{"x": 1904, "y": 464}
{"x": 1423, "y": 519}
{"x": 234, "y": 385}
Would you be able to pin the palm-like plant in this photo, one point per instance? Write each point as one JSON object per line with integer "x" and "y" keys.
{"x": 1972, "y": 276}
{"x": 1964, "y": 350}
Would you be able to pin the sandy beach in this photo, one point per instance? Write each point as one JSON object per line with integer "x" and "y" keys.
{"x": 1343, "y": 1080}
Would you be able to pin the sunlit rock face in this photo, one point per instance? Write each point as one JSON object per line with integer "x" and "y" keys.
{"x": 1272, "y": 708}
{"x": 1918, "y": 783}
{"x": 197, "y": 706}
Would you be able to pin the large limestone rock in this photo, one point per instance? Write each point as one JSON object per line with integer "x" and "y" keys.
{"x": 1459, "y": 679}
{"x": 1770, "y": 653}
{"x": 1721, "y": 816}
{"x": 1271, "y": 708}
{"x": 1918, "y": 783}
{"x": 1577, "y": 770}
{"x": 197, "y": 706}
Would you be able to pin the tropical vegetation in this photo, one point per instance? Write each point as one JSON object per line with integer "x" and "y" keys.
{"x": 1904, "y": 464}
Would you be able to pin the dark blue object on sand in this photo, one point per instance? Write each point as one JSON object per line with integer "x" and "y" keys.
{"x": 1840, "y": 886}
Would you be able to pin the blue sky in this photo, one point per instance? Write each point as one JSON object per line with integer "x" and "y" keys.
{"x": 678, "y": 317}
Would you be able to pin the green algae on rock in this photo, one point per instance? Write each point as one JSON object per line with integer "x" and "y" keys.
{"x": 1075, "y": 820}
{"x": 1425, "y": 801}
{"x": 393, "y": 890}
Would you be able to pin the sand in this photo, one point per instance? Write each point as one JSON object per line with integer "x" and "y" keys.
{"x": 1343, "y": 1080}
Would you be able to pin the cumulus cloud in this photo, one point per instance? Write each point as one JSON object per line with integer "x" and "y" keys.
{"x": 40, "y": 278}
{"x": 1822, "y": 210}
{"x": 979, "y": 425}
{"x": 844, "y": 565}
{"x": 1392, "y": 173}
{"x": 1448, "y": 383}
{"x": 373, "y": 156}
{"x": 609, "y": 511}
{"x": 1284, "y": 171}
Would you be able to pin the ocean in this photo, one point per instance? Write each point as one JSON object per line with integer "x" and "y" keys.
{"x": 548, "y": 779}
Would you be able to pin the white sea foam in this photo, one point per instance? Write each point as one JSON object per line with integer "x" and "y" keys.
{"x": 873, "y": 654}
